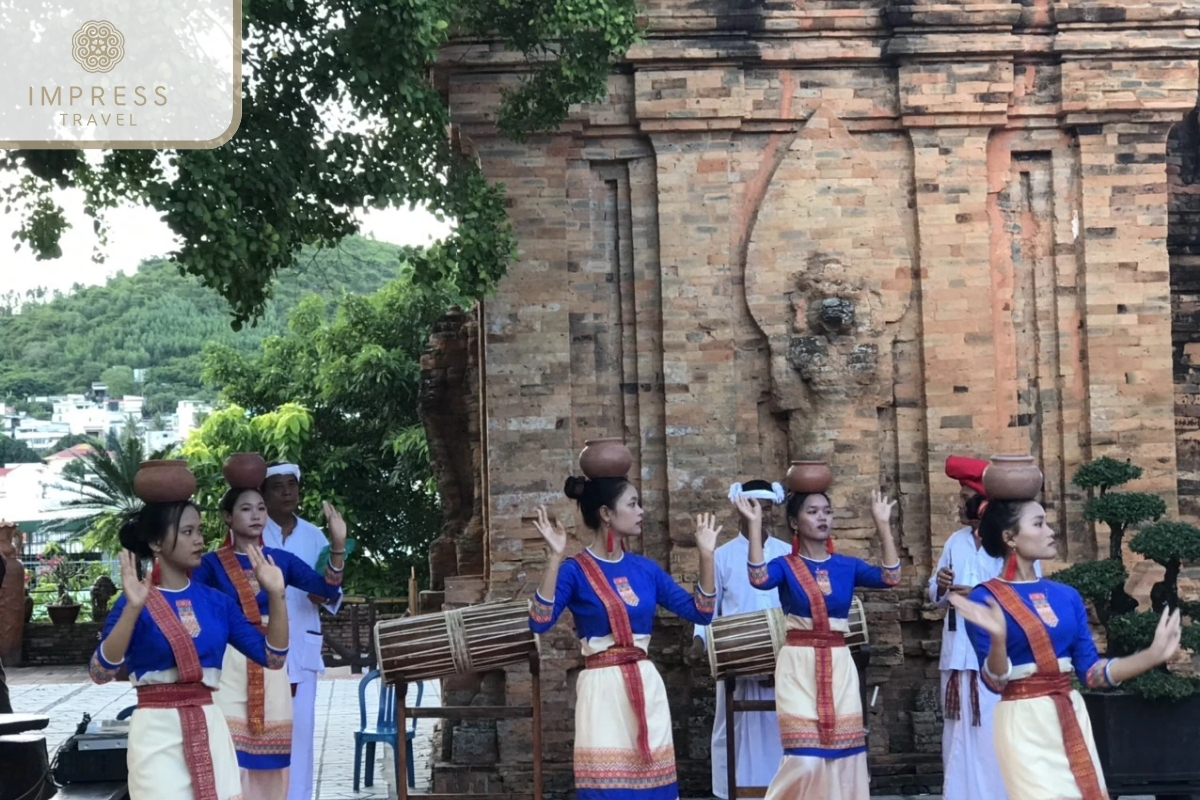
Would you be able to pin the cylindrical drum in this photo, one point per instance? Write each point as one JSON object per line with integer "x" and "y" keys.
{"x": 473, "y": 639}
{"x": 747, "y": 644}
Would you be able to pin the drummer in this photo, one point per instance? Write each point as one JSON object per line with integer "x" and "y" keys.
{"x": 816, "y": 683}
{"x": 756, "y": 736}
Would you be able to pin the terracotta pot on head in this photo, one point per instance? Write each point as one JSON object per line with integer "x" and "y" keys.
{"x": 1012, "y": 476}
{"x": 605, "y": 458}
{"x": 808, "y": 477}
{"x": 164, "y": 482}
{"x": 245, "y": 470}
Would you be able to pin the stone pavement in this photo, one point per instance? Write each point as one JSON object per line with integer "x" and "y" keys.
{"x": 65, "y": 694}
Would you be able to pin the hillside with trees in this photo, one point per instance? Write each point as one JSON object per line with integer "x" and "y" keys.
{"x": 160, "y": 321}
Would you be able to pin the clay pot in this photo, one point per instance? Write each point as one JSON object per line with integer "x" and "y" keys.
{"x": 1012, "y": 477}
{"x": 808, "y": 477}
{"x": 245, "y": 470}
{"x": 605, "y": 458}
{"x": 164, "y": 481}
{"x": 63, "y": 615}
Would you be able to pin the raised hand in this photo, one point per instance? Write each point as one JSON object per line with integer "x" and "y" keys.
{"x": 881, "y": 508}
{"x": 989, "y": 617}
{"x": 337, "y": 526}
{"x": 1166, "y": 636}
{"x": 136, "y": 591}
{"x": 706, "y": 533}
{"x": 749, "y": 509}
{"x": 554, "y": 534}
{"x": 269, "y": 576}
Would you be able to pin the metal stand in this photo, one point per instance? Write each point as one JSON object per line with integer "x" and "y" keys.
{"x": 403, "y": 714}
{"x": 861, "y": 656}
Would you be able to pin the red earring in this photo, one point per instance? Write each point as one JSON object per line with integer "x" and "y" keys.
{"x": 795, "y": 544}
{"x": 829, "y": 545}
{"x": 1010, "y": 569}
{"x": 610, "y": 541}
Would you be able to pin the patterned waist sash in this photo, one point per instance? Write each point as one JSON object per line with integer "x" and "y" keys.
{"x": 189, "y": 696}
{"x": 1049, "y": 681}
{"x": 953, "y": 704}
{"x": 822, "y": 638}
{"x": 624, "y": 654}
{"x": 256, "y": 694}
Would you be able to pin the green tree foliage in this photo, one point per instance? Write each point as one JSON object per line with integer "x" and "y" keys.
{"x": 106, "y": 490}
{"x": 1102, "y": 582}
{"x": 16, "y": 452}
{"x": 357, "y": 375}
{"x": 118, "y": 380}
{"x": 296, "y": 172}
{"x": 159, "y": 320}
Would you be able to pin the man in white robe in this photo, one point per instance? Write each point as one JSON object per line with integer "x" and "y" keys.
{"x": 286, "y": 531}
{"x": 757, "y": 745}
{"x": 971, "y": 771}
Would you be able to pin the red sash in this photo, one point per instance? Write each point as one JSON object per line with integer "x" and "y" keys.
{"x": 1049, "y": 681}
{"x": 618, "y": 620}
{"x": 256, "y": 695}
{"x": 822, "y": 639}
{"x": 196, "y": 754}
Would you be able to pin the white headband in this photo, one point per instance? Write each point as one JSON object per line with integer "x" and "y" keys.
{"x": 284, "y": 469}
{"x": 775, "y": 495}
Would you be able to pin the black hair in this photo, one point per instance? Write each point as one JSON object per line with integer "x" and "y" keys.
{"x": 150, "y": 525}
{"x": 972, "y": 506}
{"x": 757, "y": 485}
{"x": 592, "y": 494}
{"x": 796, "y": 500}
{"x": 230, "y": 498}
{"x": 1000, "y": 516}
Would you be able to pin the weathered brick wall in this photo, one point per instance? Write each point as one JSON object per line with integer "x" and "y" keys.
{"x": 836, "y": 239}
{"x": 47, "y": 645}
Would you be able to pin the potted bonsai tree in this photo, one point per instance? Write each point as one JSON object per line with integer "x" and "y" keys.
{"x": 1146, "y": 730}
{"x": 65, "y": 578}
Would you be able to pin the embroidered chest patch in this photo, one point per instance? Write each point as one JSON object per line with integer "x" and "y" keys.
{"x": 626, "y": 591}
{"x": 1043, "y": 609}
{"x": 250, "y": 576}
{"x": 822, "y": 577}
{"x": 188, "y": 617}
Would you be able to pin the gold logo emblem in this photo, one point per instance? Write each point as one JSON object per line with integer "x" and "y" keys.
{"x": 98, "y": 46}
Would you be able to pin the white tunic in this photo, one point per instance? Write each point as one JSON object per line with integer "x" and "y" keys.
{"x": 968, "y": 755}
{"x": 304, "y": 618}
{"x": 756, "y": 744}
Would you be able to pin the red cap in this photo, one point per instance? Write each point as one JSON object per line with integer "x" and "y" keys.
{"x": 967, "y": 471}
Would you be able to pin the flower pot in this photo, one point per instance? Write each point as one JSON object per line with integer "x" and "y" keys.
{"x": 1012, "y": 477}
{"x": 1146, "y": 747}
{"x": 808, "y": 477}
{"x": 63, "y": 615}
{"x": 605, "y": 458}
{"x": 245, "y": 470}
{"x": 164, "y": 481}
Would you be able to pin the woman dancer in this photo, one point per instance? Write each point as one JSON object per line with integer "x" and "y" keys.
{"x": 257, "y": 704}
{"x": 1028, "y": 633}
{"x": 623, "y": 743}
{"x": 172, "y": 638}
{"x": 816, "y": 684}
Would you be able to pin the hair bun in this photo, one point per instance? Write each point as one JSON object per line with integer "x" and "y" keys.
{"x": 574, "y": 487}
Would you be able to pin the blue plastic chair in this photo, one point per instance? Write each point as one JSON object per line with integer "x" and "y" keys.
{"x": 384, "y": 730}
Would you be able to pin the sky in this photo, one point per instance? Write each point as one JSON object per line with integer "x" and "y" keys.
{"x": 135, "y": 234}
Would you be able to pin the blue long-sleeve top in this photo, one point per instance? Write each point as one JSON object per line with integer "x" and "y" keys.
{"x": 637, "y": 580}
{"x": 212, "y": 619}
{"x": 837, "y": 576}
{"x": 1061, "y": 610}
{"x": 211, "y": 572}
